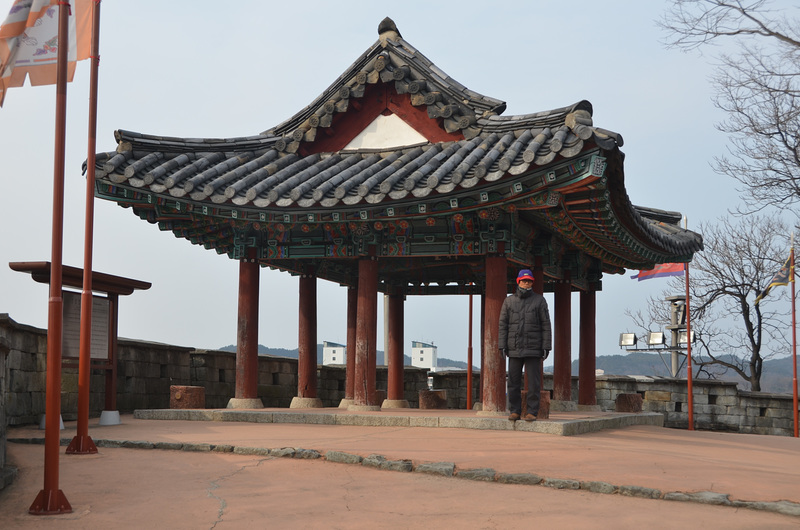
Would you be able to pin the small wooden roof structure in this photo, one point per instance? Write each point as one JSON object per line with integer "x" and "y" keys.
{"x": 73, "y": 277}
{"x": 399, "y": 161}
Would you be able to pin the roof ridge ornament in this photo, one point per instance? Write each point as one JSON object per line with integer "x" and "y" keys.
{"x": 387, "y": 30}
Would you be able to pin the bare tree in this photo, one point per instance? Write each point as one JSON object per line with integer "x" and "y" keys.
{"x": 739, "y": 260}
{"x": 757, "y": 83}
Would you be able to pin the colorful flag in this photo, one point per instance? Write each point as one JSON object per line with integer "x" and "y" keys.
{"x": 29, "y": 42}
{"x": 661, "y": 270}
{"x": 781, "y": 278}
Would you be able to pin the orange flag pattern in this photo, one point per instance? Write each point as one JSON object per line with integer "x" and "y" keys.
{"x": 29, "y": 42}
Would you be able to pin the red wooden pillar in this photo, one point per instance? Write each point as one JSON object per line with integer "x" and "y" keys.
{"x": 247, "y": 333}
{"x": 587, "y": 394}
{"x": 394, "y": 354}
{"x": 307, "y": 337}
{"x": 111, "y": 373}
{"x": 483, "y": 340}
{"x": 538, "y": 275}
{"x": 352, "y": 315}
{"x": 366, "y": 335}
{"x": 494, "y": 370}
{"x": 538, "y": 287}
{"x": 562, "y": 336}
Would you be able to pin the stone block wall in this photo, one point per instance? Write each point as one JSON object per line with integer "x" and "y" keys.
{"x": 718, "y": 405}
{"x": 3, "y": 378}
{"x": 145, "y": 372}
{"x": 455, "y": 383}
{"x": 25, "y": 371}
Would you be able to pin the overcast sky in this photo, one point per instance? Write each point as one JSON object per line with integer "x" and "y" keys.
{"x": 213, "y": 69}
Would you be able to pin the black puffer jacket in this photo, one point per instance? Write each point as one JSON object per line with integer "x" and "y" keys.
{"x": 525, "y": 325}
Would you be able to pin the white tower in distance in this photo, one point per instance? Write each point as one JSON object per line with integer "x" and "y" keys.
{"x": 333, "y": 353}
{"x": 423, "y": 355}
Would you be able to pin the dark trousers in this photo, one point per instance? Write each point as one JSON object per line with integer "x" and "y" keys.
{"x": 533, "y": 367}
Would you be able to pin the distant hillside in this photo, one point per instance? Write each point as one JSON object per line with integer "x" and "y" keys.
{"x": 776, "y": 375}
{"x": 292, "y": 354}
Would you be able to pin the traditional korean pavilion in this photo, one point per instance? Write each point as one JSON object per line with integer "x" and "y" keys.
{"x": 398, "y": 179}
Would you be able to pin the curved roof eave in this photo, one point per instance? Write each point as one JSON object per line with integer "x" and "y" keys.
{"x": 499, "y": 160}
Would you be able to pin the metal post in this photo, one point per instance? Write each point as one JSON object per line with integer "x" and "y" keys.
{"x": 794, "y": 339}
{"x": 82, "y": 443}
{"x": 690, "y": 393}
{"x": 469, "y": 352}
{"x": 51, "y": 500}
{"x": 674, "y": 327}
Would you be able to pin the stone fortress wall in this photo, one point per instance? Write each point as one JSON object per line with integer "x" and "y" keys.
{"x": 146, "y": 371}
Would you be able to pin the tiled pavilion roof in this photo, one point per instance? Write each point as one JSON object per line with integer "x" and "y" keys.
{"x": 549, "y": 184}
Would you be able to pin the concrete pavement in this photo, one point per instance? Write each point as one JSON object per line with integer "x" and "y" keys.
{"x": 232, "y": 474}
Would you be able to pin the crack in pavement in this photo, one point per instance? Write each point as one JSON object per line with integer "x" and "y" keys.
{"x": 215, "y": 485}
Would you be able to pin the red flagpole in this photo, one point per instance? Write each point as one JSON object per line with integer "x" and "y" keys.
{"x": 469, "y": 353}
{"x": 794, "y": 338}
{"x": 690, "y": 395}
{"x": 51, "y": 500}
{"x": 82, "y": 443}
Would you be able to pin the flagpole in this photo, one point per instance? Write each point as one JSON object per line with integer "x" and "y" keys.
{"x": 794, "y": 337}
{"x": 469, "y": 352}
{"x": 51, "y": 500}
{"x": 690, "y": 395}
{"x": 82, "y": 443}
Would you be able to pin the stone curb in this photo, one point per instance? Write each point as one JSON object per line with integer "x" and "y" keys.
{"x": 449, "y": 469}
{"x": 7, "y": 476}
{"x": 555, "y": 427}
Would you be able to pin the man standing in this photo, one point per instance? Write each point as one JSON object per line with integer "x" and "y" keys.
{"x": 525, "y": 338}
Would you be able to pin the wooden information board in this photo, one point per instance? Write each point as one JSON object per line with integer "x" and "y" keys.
{"x": 72, "y": 326}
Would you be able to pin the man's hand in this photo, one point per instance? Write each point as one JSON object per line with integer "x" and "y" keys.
{"x": 546, "y": 354}
{"x": 504, "y": 351}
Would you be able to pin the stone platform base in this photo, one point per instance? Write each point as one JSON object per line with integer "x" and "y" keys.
{"x": 343, "y": 404}
{"x": 563, "y": 406}
{"x": 245, "y": 403}
{"x": 364, "y": 408}
{"x": 395, "y": 404}
{"x": 305, "y": 403}
{"x": 564, "y": 426}
{"x": 492, "y": 413}
{"x": 43, "y": 422}
{"x": 109, "y": 417}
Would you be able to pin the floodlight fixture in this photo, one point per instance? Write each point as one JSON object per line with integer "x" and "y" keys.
{"x": 655, "y": 338}
{"x": 627, "y": 340}
{"x": 682, "y": 337}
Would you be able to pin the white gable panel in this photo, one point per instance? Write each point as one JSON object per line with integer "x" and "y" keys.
{"x": 386, "y": 132}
